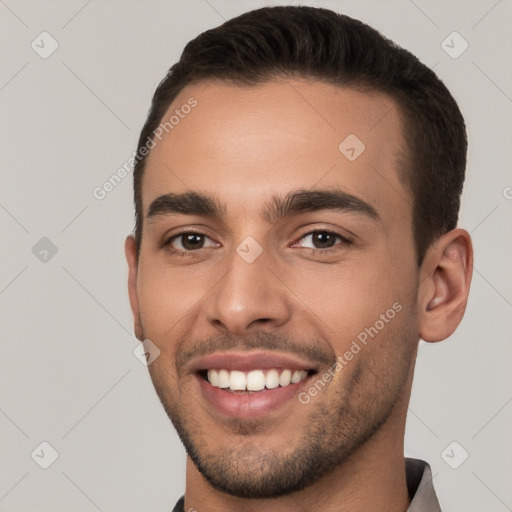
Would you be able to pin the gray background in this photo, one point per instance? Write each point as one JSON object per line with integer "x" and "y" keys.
{"x": 68, "y": 375}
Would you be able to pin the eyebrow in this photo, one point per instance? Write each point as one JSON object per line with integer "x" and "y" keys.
{"x": 293, "y": 203}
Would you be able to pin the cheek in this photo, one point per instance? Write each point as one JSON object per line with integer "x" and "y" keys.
{"x": 164, "y": 300}
{"x": 347, "y": 300}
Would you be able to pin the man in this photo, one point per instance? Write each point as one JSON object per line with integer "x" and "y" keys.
{"x": 297, "y": 190}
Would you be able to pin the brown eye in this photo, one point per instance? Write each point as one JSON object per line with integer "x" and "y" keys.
{"x": 188, "y": 242}
{"x": 322, "y": 239}
{"x": 192, "y": 241}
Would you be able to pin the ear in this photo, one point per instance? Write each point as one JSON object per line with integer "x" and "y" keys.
{"x": 445, "y": 278}
{"x": 130, "y": 250}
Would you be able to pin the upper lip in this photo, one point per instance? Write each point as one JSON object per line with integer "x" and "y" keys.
{"x": 247, "y": 361}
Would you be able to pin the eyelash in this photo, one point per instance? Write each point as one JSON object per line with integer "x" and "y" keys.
{"x": 337, "y": 247}
{"x": 178, "y": 252}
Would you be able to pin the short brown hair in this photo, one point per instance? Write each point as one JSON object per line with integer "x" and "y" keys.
{"x": 299, "y": 41}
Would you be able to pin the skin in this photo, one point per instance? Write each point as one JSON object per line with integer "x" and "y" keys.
{"x": 244, "y": 145}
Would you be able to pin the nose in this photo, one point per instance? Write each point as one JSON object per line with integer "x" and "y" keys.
{"x": 249, "y": 297}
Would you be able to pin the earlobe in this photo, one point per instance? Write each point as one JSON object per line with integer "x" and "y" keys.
{"x": 445, "y": 283}
{"x": 130, "y": 249}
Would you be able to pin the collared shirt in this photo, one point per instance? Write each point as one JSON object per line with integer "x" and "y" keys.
{"x": 419, "y": 484}
{"x": 421, "y": 490}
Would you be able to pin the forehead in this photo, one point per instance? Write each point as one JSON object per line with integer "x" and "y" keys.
{"x": 245, "y": 144}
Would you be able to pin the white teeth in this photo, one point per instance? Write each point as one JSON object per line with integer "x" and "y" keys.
{"x": 213, "y": 377}
{"x": 255, "y": 380}
{"x": 272, "y": 379}
{"x": 298, "y": 376}
{"x": 285, "y": 378}
{"x": 223, "y": 379}
{"x": 237, "y": 381}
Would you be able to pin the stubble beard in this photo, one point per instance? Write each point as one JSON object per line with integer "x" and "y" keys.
{"x": 362, "y": 399}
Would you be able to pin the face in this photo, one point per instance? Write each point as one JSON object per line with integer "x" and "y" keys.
{"x": 278, "y": 279}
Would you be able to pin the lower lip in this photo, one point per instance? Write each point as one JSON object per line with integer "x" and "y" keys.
{"x": 249, "y": 404}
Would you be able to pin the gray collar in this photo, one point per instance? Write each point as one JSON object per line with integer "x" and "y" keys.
{"x": 421, "y": 490}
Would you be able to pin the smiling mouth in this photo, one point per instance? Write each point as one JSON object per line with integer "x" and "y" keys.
{"x": 253, "y": 381}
